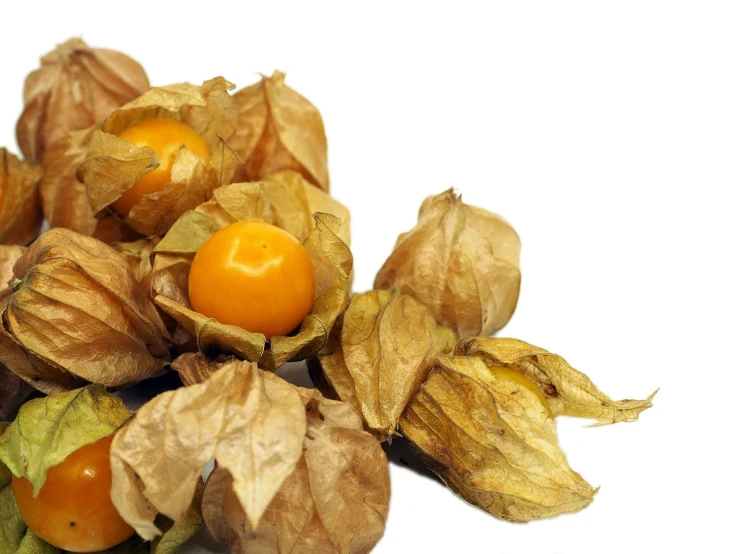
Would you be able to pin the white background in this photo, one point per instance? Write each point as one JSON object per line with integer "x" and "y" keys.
{"x": 607, "y": 133}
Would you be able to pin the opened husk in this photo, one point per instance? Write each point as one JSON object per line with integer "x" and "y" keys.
{"x": 114, "y": 165}
{"x": 46, "y": 431}
{"x": 78, "y": 314}
{"x": 336, "y": 500}
{"x": 20, "y": 210}
{"x": 492, "y": 442}
{"x": 568, "y": 391}
{"x": 75, "y": 86}
{"x": 459, "y": 260}
{"x": 64, "y": 197}
{"x": 332, "y": 263}
{"x": 387, "y": 345}
{"x": 278, "y": 129}
{"x": 251, "y": 422}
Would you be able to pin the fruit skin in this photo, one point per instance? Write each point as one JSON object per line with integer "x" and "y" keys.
{"x": 255, "y": 276}
{"x": 165, "y": 136}
{"x": 73, "y": 510}
{"x": 503, "y": 372}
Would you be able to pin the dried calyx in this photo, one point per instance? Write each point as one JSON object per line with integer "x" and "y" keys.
{"x": 75, "y": 86}
{"x": 459, "y": 260}
{"x": 20, "y": 211}
{"x": 278, "y": 129}
{"x": 115, "y": 165}
{"x": 332, "y": 263}
{"x": 79, "y": 317}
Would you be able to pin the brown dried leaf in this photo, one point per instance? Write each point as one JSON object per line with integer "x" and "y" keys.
{"x": 64, "y": 198}
{"x": 335, "y": 502}
{"x": 278, "y": 129}
{"x": 459, "y": 260}
{"x": 194, "y": 367}
{"x": 113, "y": 165}
{"x": 387, "y": 347}
{"x": 80, "y": 311}
{"x": 568, "y": 391}
{"x": 20, "y": 210}
{"x": 332, "y": 262}
{"x": 137, "y": 255}
{"x": 492, "y": 442}
{"x": 75, "y": 86}
{"x": 294, "y": 200}
{"x": 251, "y": 422}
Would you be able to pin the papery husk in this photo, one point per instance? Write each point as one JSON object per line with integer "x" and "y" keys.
{"x": 278, "y": 129}
{"x": 64, "y": 198}
{"x": 492, "y": 442}
{"x": 251, "y": 422}
{"x": 294, "y": 200}
{"x": 114, "y": 165}
{"x": 387, "y": 346}
{"x": 332, "y": 262}
{"x": 459, "y": 260}
{"x": 9, "y": 254}
{"x": 20, "y": 210}
{"x": 194, "y": 368}
{"x": 75, "y": 86}
{"x": 335, "y": 502}
{"x": 137, "y": 255}
{"x": 79, "y": 311}
{"x": 569, "y": 392}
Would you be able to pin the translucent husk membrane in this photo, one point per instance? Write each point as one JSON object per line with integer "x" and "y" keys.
{"x": 20, "y": 211}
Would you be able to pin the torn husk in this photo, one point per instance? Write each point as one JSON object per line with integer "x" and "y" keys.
{"x": 114, "y": 165}
{"x": 75, "y": 86}
{"x": 459, "y": 260}
{"x": 386, "y": 348}
{"x": 253, "y": 423}
{"x": 493, "y": 442}
{"x": 568, "y": 391}
{"x": 278, "y": 129}
{"x": 46, "y": 431}
{"x": 294, "y": 200}
{"x": 77, "y": 309}
{"x": 64, "y": 197}
{"x": 20, "y": 211}
{"x": 332, "y": 263}
{"x": 336, "y": 500}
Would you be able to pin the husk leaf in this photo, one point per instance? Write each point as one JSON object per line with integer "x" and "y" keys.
{"x": 459, "y": 260}
{"x": 252, "y": 423}
{"x": 194, "y": 367}
{"x": 20, "y": 210}
{"x": 81, "y": 313}
{"x": 492, "y": 442}
{"x": 294, "y": 200}
{"x": 75, "y": 86}
{"x": 64, "y": 197}
{"x": 114, "y": 165}
{"x": 49, "y": 429}
{"x": 335, "y": 502}
{"x": 278, "y": 129}
{"x": 137, "y": 255}
{"x": 9, "y": 254}
{"x": 332, "y": 262}
{"x": 387, "y": 347}
{"x": 568, "y": 391}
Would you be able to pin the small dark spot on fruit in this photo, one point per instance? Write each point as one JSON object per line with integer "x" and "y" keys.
{"x": 72, "y": 523}
{"x": 264, "y": 246}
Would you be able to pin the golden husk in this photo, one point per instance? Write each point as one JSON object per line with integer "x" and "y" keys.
{"x": 459, "y": 260}
{"x": 492, "y": 442}
{"x": 253, "y": 423}
{"x": 75, "y": 86}
{"x": 20, "y": 210}
{"x": 64, "y": 197}
{"x": 113, "y": 165}
{"x": 78, "y": 316}
{"x": 568, "y": 391}
{"x": 387, "y": 345}
{"x": 137, "y": 255}
{"x": 278, "y": 129}
{"x": 332, "y": 263}
{"x": 336, "y": 500}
